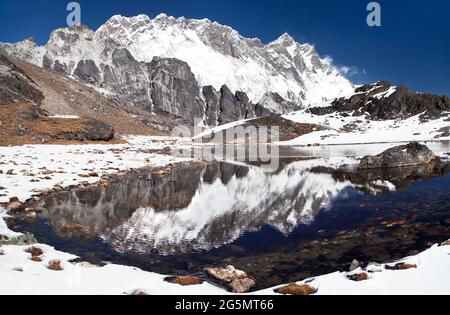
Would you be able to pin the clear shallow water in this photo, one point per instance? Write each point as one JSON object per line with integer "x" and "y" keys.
{"x": 303, "y": 220}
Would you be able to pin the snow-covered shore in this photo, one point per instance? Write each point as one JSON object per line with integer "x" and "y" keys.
{"x": 67, "y": 165}
{"x": 358, "y": 130}
{"x": 34, "y": 168}
{"x": 20, "y": 275}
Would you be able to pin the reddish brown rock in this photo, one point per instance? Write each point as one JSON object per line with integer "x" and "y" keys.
{"x": 55, "y": 265}
{"x": 15, "y": 206}
{"x": 359, "y": 277}
{"x": 401, "y": 266}
{"x": 34, "y": 251}
{"x": 295, "y": 289}
{"x": 184, "y": 281}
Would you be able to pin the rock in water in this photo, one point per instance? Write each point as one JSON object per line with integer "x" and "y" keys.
{"x": 236, "y": 280}
{"x": 412, "y": 154}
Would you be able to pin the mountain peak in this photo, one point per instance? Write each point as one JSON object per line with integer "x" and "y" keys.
{"x": 284, "y": 40}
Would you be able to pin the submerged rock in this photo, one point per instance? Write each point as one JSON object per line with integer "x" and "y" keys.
{"x": 412, "y": 154}
{"x": 236, "y": 280}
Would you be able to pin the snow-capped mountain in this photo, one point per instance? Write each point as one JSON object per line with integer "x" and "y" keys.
{"x": 119, "y": 60}
{"x": 219, "y": 55}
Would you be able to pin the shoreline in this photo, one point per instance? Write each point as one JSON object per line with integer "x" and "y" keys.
{"x": 21, "y": 259}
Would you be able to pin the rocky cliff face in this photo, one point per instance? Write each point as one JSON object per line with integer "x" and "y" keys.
{"x": 219, "y": 55}
{"x": 381, "y": 101}
{"x": 161, "y": 65}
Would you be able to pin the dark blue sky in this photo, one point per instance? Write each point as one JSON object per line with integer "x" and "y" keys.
{"x": 411, "y": 47}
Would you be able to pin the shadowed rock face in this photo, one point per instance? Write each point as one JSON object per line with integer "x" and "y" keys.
{"x": 174, "y": 89}
{"x": 385, "y": 102}
{"x": 16, "y": 86}
{"x": 412, "y": 154}
{"x": 93, "y": 130}
{"x": 223, "y": 107}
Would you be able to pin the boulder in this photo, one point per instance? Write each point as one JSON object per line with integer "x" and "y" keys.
{"x": 295, "y": 289}
{"x": 359, "y": 277}
{"x": 184, "y": 281}
{"x": 15, "y": 206}
{"x": 401, "y": 266}
{"x": 412, "y": 154}
{"x": 91, "y": 130}
{"x": 236, "y": 280}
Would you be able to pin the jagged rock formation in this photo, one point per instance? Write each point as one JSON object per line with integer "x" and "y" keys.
{"x": 219, "y": 55}
{"x": 381, "y": 101}
{"x": 254, "y": 79}
{"x": 25, "y": 83}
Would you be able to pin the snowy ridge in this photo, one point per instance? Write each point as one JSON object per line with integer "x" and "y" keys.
{"x": 217, "y": 55}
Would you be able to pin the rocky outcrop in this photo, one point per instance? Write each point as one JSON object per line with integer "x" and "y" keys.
{"x": 174, "y": 89}
{"x": 92, "y": 130}
{"x": 224, "y": 107}
{"x": 412, "y": 154}
{"x": 381, "y": 101}
{"x": 273, "y": 103}
{"x": 16, "y": 86}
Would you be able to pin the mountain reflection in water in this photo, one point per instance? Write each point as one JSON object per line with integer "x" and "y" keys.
{"x": 215, "y": 213}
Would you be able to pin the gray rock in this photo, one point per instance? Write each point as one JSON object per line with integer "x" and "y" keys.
{"x": 412, "y": 154}
{"x": 402, "y": 103}
{"x": 230, "y": 108}
{"x": 212, "y": 111}
{"x": 94, "y": 130}
{"x": 87, "y": 71}
{"x": 236, "y": 280}
{"x": 355, "y": 265}
{"x": 273, "y": 103}
{"x": 174, "y": 89}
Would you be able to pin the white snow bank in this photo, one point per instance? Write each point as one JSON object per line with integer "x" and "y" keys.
{"x": 21, "y": 276}
{"x": 366, "y": 131}
{"x": 68, "y": 162}
{"x": 431, "y": 277}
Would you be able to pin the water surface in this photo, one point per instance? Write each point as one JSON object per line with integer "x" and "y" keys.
{"x": 305, "y": 219}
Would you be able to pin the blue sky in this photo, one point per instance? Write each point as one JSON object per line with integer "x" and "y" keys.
{"x": 411, "y": 47}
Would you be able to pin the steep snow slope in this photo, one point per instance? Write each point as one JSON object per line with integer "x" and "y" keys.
{"x": 219, "y": 55}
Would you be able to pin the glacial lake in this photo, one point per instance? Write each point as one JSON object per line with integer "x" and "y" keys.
{"x": 305, "y": 219}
